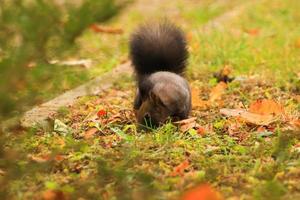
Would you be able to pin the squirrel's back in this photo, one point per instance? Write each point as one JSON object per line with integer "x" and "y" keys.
{"x": 158, "y": 47}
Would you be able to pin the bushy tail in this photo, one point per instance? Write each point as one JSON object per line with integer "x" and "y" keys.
{"x": 158, "y": 47}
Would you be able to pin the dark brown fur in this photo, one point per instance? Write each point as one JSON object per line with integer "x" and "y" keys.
{"x": 159, "y": 54}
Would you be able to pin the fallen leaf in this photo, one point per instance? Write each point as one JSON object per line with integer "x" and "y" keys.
{"x": 100, "y": 29}
{"x": 59, "y": 158}
{"x": 90, "y": 133}
{"x": 202, "y": 192}
{"x": 253, "y": 32}
{"x": 261, "y": 129}
{"x": 197, "y": 102}
{"x": 186, "y": 121}
{"x": 187, "y": 124}
{"x": 101, "y": 113}
{"x": 54, "y": 195}
{"x": 249, "y": 117}
{"x": 179, "y": 170}
{"x": 39, "y": 159}
{"x": 217, "y": 91}
{"x": 266, "y": 107}
{"x": 201, "y": 130}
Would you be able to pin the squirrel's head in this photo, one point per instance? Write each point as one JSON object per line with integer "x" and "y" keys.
{"x": 152, "y": 112}
{"x": 155, "y": 111}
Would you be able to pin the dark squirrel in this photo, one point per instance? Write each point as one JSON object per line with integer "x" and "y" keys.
{"x": 159, "y": 56}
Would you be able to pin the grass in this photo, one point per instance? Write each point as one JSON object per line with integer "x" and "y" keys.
{"x": 119, "y": 161}
{"x": 263, "y": 40}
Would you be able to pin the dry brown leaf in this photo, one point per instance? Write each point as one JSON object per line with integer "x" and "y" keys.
{"x": 217, "y": 92}
{"x": 186, "y": 121}
{"x": 187, "y": 124}
{"x": 249, "y": 117}
{"x": 266, "y": 107}
{"x": 90, "y": 133}
{"x": 39, "y": 159}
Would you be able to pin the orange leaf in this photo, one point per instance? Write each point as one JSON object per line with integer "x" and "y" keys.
{"x": 266, "y": 107}
{"x": 54, "y": 195}
{"x": 101, "y": 113}
{"x": 201, "y": 130}
{"x": 90, "y": 133}
{"x": 179, "y": 170}
{"x": 202, "y": 192}
{"x": 197, "y": 102}
{"x": 261, "y": 129}
{"x": 253, "y": 32}
{"x": 217, "y": 92}
{"x": 59, "y": 158}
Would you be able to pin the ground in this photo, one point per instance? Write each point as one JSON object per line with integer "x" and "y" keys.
{"x": 95, "y": 150}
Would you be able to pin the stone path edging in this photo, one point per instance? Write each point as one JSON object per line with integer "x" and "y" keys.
{"x": 41, "y": 113}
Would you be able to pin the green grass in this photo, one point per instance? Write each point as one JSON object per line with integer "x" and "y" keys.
{"x": 123, "y": 162}
{"x": 271, "y": 52}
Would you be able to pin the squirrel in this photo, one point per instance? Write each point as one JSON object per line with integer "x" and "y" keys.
{"x": 159, "y": 57}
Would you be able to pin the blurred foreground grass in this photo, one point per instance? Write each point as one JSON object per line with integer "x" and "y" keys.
{"x": 32, "y": 34}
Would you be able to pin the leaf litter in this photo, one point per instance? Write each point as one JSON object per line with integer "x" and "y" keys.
{"x": 244, "y": 117}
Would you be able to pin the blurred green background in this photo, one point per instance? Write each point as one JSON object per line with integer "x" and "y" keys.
{"x": 35, "y": 32}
